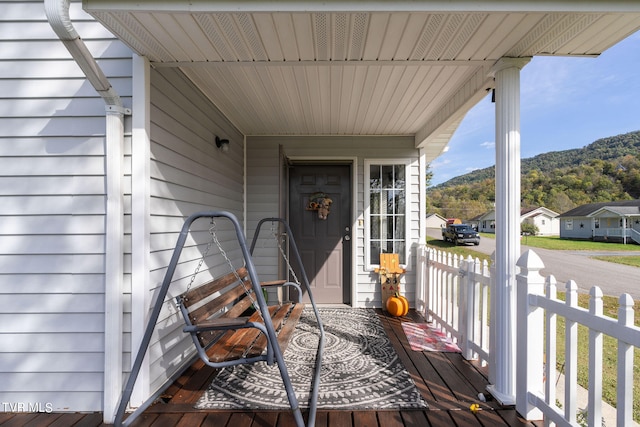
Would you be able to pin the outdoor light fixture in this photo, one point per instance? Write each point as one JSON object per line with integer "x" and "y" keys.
{"x": 222, "y": 144}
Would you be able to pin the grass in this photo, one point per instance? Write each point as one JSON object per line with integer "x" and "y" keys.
{"x": 633, "y": 261}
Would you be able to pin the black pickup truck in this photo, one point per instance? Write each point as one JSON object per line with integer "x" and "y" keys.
{"x": 460, "y": 233}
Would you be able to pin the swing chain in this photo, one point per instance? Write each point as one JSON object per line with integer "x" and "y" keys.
{"x": 214, "y": 236}
{"x": 204, "y": 255}
{"x": 282, "y": 251}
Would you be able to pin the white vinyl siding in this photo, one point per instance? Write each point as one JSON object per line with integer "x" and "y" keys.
{"x": 52, "y": 210}
{"x": 188, "y": 174}
{"x": 263, "y": 178}
{"x": 262, "y": 193}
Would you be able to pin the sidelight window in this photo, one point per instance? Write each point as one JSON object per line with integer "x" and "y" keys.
{"x": 386, "y": 225}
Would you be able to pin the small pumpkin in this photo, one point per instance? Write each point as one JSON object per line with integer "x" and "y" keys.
{"x": 397, "y": 305}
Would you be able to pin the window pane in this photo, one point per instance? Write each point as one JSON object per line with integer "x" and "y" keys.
{"x": 388, "y": 248}
{"x": 374, "y": 176}
{"x": 387, "y": 176}
{"x": 374, "y": 252}
{"x": 391, "y": 203}
{"x": 387, "y": 226}
{"x": 399, "y": 178}
{"x": 388, "y": 199}
{"x": 399, "y": 232}
{"x": 375, "y": 202}
{"x": 399, "y": 200}
{"x": 375, "y": 227}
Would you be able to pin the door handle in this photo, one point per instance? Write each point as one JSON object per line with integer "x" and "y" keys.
{"x": 347, "y": 237}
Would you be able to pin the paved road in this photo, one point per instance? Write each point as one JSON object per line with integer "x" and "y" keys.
{"x": 613, "y": 279}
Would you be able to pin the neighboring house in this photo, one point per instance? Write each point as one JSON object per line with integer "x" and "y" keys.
{"x": 474, "y": 222}
{"x": 607, "y": 221}
{"x": 543, "y": 218}
{"x": 435, "y": 221}
{"x": 109, "y": 138}
{"x": 487, "y": 222}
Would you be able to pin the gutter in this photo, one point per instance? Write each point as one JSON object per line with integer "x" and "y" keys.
{"x": 57, "y": 12}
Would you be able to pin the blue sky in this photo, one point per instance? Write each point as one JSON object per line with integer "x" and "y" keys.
{"x": 565, "y": 103}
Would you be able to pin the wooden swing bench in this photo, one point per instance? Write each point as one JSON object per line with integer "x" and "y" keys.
{"x": 237, "y": 334}
{"x": 228, "y": 317}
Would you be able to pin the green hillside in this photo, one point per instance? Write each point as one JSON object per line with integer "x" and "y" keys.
{"x": 607, "y": 169}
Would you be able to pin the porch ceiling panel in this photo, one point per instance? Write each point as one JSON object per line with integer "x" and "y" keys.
{"x": 303, "y": 68}
{"x": 344, "y": 99}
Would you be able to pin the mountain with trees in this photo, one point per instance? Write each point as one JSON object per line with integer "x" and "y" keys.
{"x": 605, "y": 170}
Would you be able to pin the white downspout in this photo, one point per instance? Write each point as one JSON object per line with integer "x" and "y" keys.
{"x": 57, "y": 12}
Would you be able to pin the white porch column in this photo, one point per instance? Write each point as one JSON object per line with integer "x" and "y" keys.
{"x": 503, "y": 318}
{"x": 140, "y": 218}
{"x": 114, "y": 262}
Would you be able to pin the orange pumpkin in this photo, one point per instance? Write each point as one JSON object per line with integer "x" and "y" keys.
{"x": 397, "y": 305}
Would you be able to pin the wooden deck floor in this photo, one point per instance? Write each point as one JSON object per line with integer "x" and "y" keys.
{"x": 447, "y": 382}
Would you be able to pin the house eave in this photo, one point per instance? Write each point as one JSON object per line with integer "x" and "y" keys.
{"x": 627, "y": 6}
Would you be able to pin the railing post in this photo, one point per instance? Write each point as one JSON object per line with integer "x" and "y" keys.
{"x": 571, "y": 356}
{"x": 463, "y": 331}
{"x": 465, "y": 308}
{"x": 624, "y": 389}
{"x": 551, "y": 292}
{"x": 492, "y": 331}
{"x": 454, "y": 295}
{"x": 432, "y": 280}
{"x": 421, "y": 280}
{"x": 483, "y": 315}
{"x": 595, "y": 361}
{"x": 530, "y": 334}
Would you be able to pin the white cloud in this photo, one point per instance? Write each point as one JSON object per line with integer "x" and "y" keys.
{"x": 439, "y": 163}
{"x": 489, "y": 145}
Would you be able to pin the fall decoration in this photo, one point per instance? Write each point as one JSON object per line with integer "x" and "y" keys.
{"x": 397, "y": 305}
{"x": 321, "y": 203}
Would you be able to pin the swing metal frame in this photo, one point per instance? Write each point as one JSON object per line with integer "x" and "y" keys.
{"x": 274, "y": 353}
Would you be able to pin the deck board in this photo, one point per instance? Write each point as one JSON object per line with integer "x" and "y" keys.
{"x": 447, "y": 382}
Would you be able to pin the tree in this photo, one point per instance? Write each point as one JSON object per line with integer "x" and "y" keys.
{"x": 527, "y": 228}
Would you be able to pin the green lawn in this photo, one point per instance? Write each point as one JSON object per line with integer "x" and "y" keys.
{"x": 633, "y": 261}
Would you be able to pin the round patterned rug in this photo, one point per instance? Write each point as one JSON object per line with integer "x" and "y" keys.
{"x": 360, "y": 369}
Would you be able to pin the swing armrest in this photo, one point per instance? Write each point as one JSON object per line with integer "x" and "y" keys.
{"x": 221, "y": 322}
{"x": 273, "y": 283}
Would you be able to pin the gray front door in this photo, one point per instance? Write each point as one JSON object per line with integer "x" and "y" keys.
{"x": 324, "y": 244}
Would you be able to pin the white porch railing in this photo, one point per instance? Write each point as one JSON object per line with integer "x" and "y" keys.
{"x": 456, "y": 299}
{"x": 622, "y": 234}
{"x": 453, "y": 293}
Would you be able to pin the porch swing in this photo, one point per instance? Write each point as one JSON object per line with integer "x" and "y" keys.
{"x": 228, "y": 317}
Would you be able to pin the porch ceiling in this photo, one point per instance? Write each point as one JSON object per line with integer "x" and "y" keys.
{"x": 356, "y": 68}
